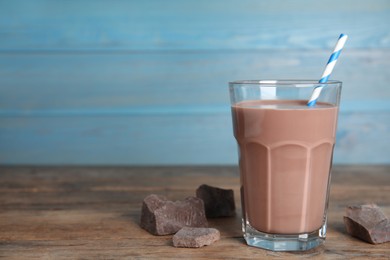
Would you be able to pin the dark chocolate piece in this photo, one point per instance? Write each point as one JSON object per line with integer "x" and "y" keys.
{"x": 160, "y": 216}
{"x": 195, "y": 237}
{"x": 217, "y": 202}
{"x": 368, "y": 223}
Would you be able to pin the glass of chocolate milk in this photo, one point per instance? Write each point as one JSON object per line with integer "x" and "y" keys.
{"x": 285, "y": 156}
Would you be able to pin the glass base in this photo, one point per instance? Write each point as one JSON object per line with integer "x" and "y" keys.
{"x": 277, "y": 242}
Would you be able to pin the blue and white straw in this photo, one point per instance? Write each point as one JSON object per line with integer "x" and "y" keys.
{"x": 328, "y": 69}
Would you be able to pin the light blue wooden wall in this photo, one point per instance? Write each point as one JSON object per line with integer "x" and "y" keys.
{"x": 145, "y": 82}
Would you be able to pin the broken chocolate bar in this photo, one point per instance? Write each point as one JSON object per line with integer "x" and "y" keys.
{"x": 217, "y": 202}
{"x": 160, "y": 216}
{"x": 195, "y": 237}
{"x": 368, "y": 223}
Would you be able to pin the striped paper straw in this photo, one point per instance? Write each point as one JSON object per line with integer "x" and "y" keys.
{"x": 328, "y": 69}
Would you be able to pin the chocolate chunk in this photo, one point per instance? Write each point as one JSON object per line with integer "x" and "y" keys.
{"x": 160, "y": 216}
{"x": 217, "y": 202}
{"x": 195, "y": 237}
{"x": 368, "y": 223}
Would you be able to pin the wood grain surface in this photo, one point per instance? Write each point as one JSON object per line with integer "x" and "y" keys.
{"x": 93, "y": 213}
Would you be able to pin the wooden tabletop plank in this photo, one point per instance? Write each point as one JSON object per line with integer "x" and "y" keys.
{"x": 93, "y": 212}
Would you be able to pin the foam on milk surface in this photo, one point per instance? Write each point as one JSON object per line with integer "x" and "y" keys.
{"x": 281, "y": 104}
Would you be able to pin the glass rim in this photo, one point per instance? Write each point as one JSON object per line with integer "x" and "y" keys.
{"x": 284, "y": 82}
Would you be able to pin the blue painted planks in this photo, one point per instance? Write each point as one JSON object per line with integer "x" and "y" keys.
{"x": 116, "y": 140}
{"x": 191, "y": 25}
{"x": 362, "y": 138}
{"x": 145, "y": 82}
{"x": 115, "y": 82}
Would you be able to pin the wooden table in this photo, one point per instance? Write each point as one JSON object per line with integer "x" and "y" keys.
{"x": 93, "y": 213}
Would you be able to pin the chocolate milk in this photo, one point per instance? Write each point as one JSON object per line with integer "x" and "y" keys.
{"x": 285, "y": 153}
